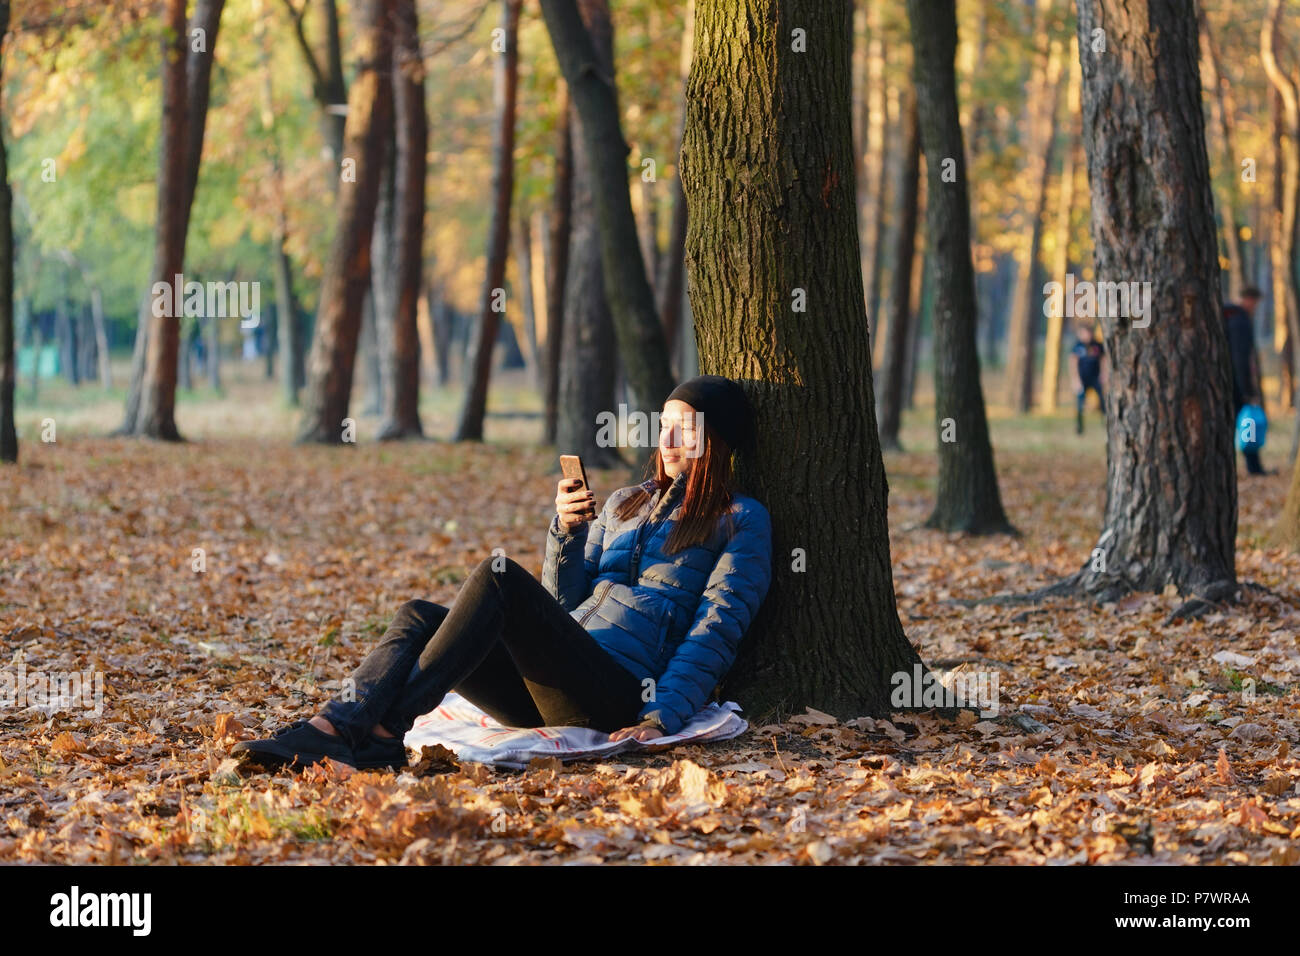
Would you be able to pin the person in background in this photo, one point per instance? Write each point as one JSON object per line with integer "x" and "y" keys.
{"x": 1239, "y": 324}
{"x": 1085, "y": 362}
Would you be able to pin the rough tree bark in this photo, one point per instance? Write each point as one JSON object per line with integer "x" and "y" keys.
{"x": 769, "y": 171}
{"x": 968, "y": 498}
{"x": 641, "y": 344}
{"x": 889, "y": 397}
{"x": 1171, "y": 489}
{"x": 347, "y": 270}
{"x": 474, "y": 408}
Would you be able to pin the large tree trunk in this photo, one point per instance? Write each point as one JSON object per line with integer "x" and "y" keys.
{"x": 479, "y": 374}
{"x": 1061, "y": 254}
{"x": 769, "y": 172}
{"x": 557, "y": 260}
{"x": 586, "y": 371}
{"x": 8, "y": 433}
{"x": 889, "y": 398}
{"x": 641, "y": 343}
{"x": 1025, "y": 305}
{"x": 347, "y": 270}
{"x": 968, "y": 498}
{"x": 1223, "y": 110}
{"x": 1171, "y": 491}
{"x": 402, "y": 396}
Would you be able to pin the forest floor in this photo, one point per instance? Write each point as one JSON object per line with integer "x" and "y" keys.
{"x": 1160, "y": 743}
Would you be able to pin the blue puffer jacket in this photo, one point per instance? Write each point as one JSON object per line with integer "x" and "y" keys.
{"x": 675, "y": 618}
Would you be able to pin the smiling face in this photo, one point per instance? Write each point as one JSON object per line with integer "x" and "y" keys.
{"x": 679, "y": 437}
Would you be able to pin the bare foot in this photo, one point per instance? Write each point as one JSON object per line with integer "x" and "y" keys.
{"x": 323, "y": 725}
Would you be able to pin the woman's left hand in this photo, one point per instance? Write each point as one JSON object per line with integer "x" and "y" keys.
{"x": 640, "y": 732}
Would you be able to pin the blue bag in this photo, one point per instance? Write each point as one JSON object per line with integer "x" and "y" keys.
{"x": 1252, "y": 427}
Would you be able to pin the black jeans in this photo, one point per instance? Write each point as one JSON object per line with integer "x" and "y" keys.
{"x": 506, "y": 645}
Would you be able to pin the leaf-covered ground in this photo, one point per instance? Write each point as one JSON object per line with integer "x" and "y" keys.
{"x": 1168, "y": 743}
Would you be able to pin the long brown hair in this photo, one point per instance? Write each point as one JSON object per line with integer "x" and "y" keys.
{"x": 709, "y": 487}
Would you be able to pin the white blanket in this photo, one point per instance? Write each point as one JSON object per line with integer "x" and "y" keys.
{"x": 472, "y": 735}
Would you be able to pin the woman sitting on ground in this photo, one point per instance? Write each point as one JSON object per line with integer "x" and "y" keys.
{"x": 633, "y": 625}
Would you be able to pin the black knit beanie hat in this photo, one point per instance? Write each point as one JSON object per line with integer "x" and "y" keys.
{"x": 723, "y": 403}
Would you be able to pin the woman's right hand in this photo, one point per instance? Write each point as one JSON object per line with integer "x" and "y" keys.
{"x": 573, "y": 503}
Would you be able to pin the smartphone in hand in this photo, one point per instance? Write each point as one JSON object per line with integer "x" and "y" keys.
{"x": 575, "y": 480}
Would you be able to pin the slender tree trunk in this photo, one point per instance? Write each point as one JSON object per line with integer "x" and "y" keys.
{"x": 101, "y": 336}
{"x": 769, "y": 172}
{"x": 889, "y": 400}
{"x": 1224, "y": 111}
{"x": 474, "y": 407}
{"x": 187, "y": 70}
{"x": 557, "y": 262}
{"x": 1284, "y": 226}
{"x": 213, "y": 329}
{"x": 641, "y": 343}
{"x": 157, "y": 415}
{"x": 1171, "y": 491}
{"x": 541, "y": 326}
{"x": 524, "y": 262}
{"x": 876, "y": 161}
{"x": 1025, "y": 309}
{"x": 347, "y": 270}
{"x": 402, "y": 356}
{"x": 329, "y": 87}
{"x": 920, "y": 295}
{"x": 588, "y": 355}
{"x": 968, "y": 498}
{"x": 8, "y": 378}
{"x": 1281, "y": 299}
{"x": 1047, "y": 399}
{"x": 671, "y": 282}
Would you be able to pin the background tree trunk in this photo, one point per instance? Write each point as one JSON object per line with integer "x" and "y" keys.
{"x": 1052, "y": 348}
{"x": 876, "y": 168}
{"x": 347, "y": 270}
{"x": 474, "y": 407}
{"x": 8, "y": 381}
{"x": 157, "y": 410}
{"x": 1171, "y": 490}
{"x": 402, "y": 394}
{"x": 968, "y": 498}
{"x": 889, "y": 398}
{"x": 1025, "y": 305}
{"x": 769, "y": 172}
{"x": 1223, "y": 111}
{"x": 586, "y": 373}
{"x": 187, "y": 72}
{"x": 671, "y": 288}
{"x": 557, "y": 261}
{"x": 641, "y": 344}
